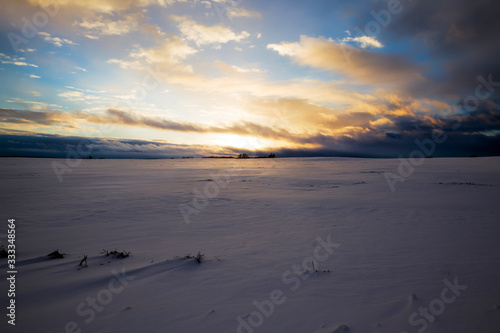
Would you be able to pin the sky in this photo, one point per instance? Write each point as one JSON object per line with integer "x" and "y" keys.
{"x": 170, "y": 78}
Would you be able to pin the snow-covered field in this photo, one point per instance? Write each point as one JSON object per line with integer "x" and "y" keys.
{"x": 424, "y": 258}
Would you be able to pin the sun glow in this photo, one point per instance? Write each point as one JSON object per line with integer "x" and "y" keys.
{"x": 243, "y": 142}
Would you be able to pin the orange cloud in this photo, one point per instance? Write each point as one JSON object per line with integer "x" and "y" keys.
{"x": 361, "y": 65}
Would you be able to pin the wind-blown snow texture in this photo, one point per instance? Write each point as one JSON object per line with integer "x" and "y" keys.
{"x": 396, "y": 254}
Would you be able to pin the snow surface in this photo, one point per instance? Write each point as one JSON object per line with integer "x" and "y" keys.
{"x": 394, "y": 251}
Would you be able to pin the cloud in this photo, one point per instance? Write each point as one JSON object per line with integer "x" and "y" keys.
{"x": 364, "y": 144}
{"x": 154, "y": 31}
{"x": 387, "y": 134}
{"x": 166, "y": 57}
{"x": 246, "y": 70}
{"x": 33, "y": 76}
{"x": 57, "y": 41}
{"x": 15, "y": 60}
{"x": 35, "y": 105}
{"x": 22, "y": 143}
{"x": 72, "y": 95}
{"x": 457, "y": 36}
{"x": 241, "y": 85}
{"x": 364, "y": 41}
{"x": 77, "y": 95}
{"x": 119, "y": 117}
{"x": 361, "y": 65}
{"x": 202, "y": 34}
{"x": 27, "y": 117}
{"x": 236, "y": 12}
{"x": 236, "y": 70}
{"x": 297, "y": 114}
{"x": 207, "y": 3}
{"x": 98, "y": 26}
{"x": 290, "y": 49}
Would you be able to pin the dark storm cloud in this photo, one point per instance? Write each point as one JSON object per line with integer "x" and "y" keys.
{"x": 476, "y": 132}
{"x": 456, "y": 145}
{"x": 369, "y": 144}
{"x": 460, "y": 35}
{"x": 25, "y": 144}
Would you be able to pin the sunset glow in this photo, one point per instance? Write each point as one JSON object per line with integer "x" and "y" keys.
{"x": 324, "y": 78}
